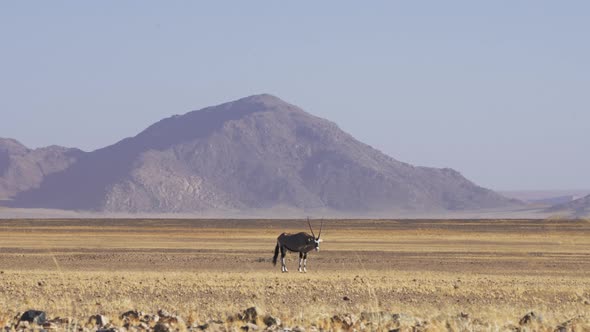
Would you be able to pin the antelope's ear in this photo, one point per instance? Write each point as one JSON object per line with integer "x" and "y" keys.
{"x": 320, "y": 240}
{"x": 308, "y": 240}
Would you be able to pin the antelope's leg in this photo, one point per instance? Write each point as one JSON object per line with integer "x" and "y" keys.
{"x": 283, "y": 265}
{"x": 305, "y": 262}
{"x": 300, "y": 262}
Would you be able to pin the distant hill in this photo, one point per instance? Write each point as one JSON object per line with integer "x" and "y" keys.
{"x": 23, "y": 169}
{"x": 545, "y": 197}
{"x": 553, "y": 200}
{"x": 577, "y": 208}
{"x": 258, "y": 152}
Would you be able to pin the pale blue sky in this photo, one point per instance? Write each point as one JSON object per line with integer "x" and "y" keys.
{"x": 497, "y": 90}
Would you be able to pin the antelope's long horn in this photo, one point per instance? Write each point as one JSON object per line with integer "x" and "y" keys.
{"x": 308, "y": 223}
{"x": 321, "y": 225}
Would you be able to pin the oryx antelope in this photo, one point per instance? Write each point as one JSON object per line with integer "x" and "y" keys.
{"x": 301, "y": 243}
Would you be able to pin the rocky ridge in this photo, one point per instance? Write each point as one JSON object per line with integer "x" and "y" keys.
{"x": 255, "y": 153}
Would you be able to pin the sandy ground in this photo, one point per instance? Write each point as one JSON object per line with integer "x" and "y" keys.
{"x": 493, "y": 271}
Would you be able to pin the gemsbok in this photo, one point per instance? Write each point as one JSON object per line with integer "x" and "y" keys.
{"x": 301, "y": 243}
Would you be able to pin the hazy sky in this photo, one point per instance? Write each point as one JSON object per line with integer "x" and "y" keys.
{"x": 498, "y": 90}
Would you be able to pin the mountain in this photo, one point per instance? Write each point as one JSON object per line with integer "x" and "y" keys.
{"x": 577, "y": 208}
{"x": 23, "y": 169}
{"x": 258, "y": 152}
{"x": 545, "y": 197}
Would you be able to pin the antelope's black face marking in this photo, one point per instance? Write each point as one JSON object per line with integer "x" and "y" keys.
{"x": 317, "y": 244}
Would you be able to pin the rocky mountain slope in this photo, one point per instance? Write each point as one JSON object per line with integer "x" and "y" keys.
{"x": 258, "y": 152}
{"x": 23, "y": 169}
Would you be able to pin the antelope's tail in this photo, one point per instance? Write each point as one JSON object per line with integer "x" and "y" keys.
{"x": 274, "y": 258}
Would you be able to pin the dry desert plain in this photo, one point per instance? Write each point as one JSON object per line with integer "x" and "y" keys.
{"x": 414, "y": 275}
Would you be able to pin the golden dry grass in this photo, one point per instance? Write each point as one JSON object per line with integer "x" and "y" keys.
{"x": 495, "y": 271}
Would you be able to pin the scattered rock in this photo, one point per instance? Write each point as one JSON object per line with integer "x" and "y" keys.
{"x": 34, "y": 316}
{"x": 162, "y": 327}
{"x": 529, "y": 318}
{"x": 203, "y": 327}
{"x": 249, "y": 315}
{"x": 50, "y": 325}
{"x": 271, "y": 321}
{"x": 346, "y": 298}
{"x": 149, "y": 319}
{"x": 172, "y": 320}
{"x": 420, "y": 326}
{"x": 249, "y": 327}
{"x": 248, "y": 321}
{"x": 98, "y": 320}
{"x": 109, "y": 329}
{"x": 347, "y": 321}
{"x": 163, "y": 313}
{"x": 131, "y": 314}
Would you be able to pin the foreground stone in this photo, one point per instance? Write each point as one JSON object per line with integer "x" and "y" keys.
{"x": 34, "y": 316}
{"x": 530, "y": 318}
{"x": 250, "y": 315}
{"x": 347, "y": 321}
{"x": 271, "y": 321}
{"x": 249, "y": 327}
{"x": 98, "y": 320}
{"x": 251, "y": 320}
